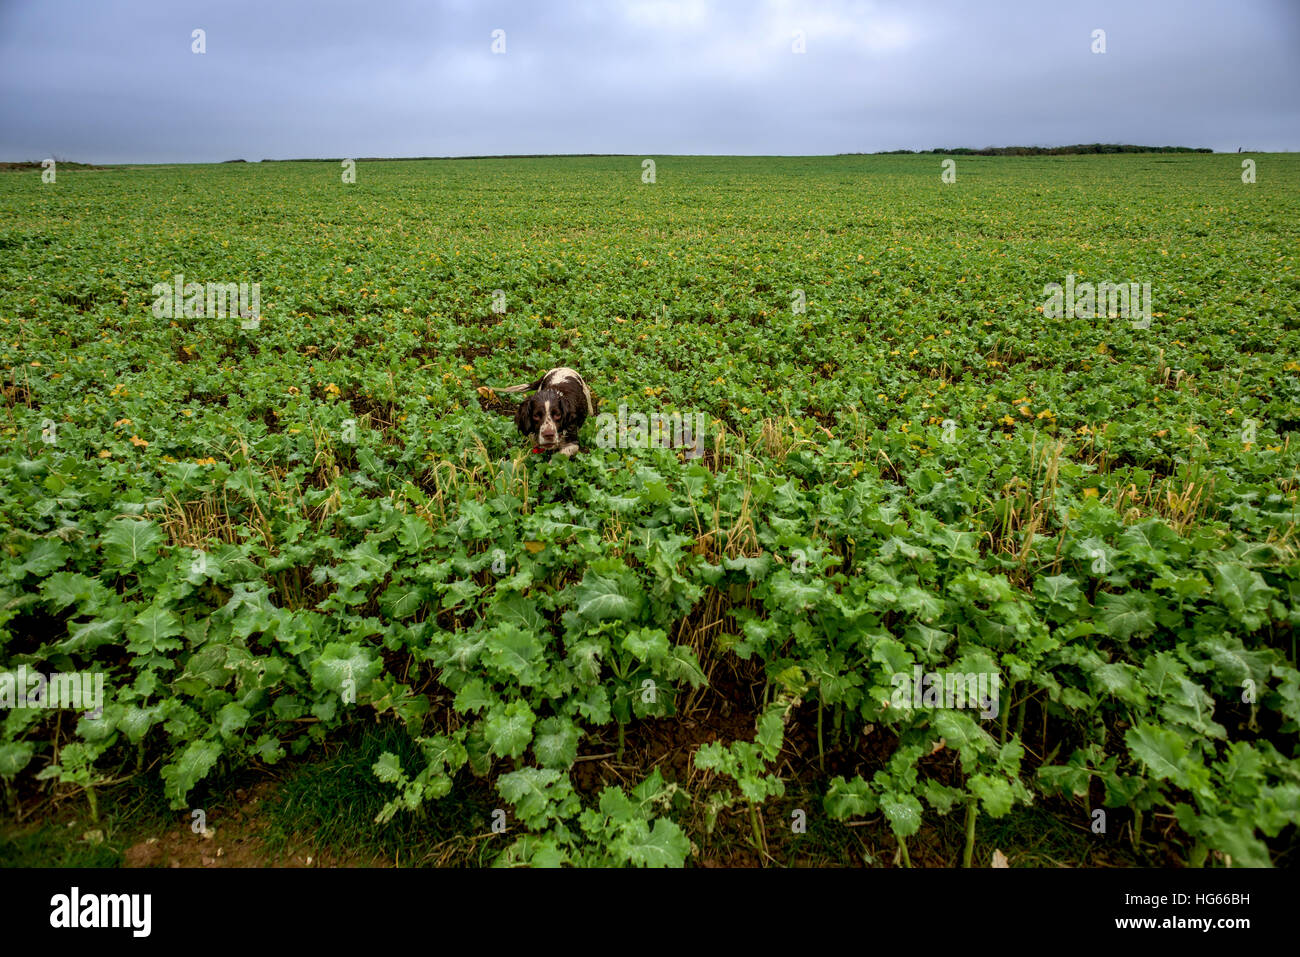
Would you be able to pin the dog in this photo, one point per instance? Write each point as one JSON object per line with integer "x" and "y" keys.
{"x": 552, "y": 416}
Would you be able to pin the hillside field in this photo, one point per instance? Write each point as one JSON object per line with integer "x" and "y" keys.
{"x": 285, "y": 538}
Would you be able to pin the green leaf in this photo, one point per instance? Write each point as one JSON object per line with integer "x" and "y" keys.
{"x": 538, "y": 795}
{"x": 845, "y": 799}
{"x": 1235, "y": 664}
{"x": 181, "y": 775}
{"x": 68, "y": 588}
{"x": 516, "y": 610}
{"x": 754, "y": 569}
{"x": 893, "y": 655}
{"x": 594, "y": 705}
{"x": 646, "y": 644}
{"x": 234, "y": 717}
{"x": 940, "y": 797}
{"x": 680, "y": 663}
{"x": 508, "y": 728}
{"x": 617, "y": 806}
{"x": 416, "y": 534}
{"x": 128, "y": 542}
{"x": 152, "y": 630}
{"x": 402, "y": 599}
{"x": 1119, "y": 679}
{"x": 1125, "y": 615}
{"x": 556, "y": 743}
{"x": 42, "y": 558}
{"x": 963, "y": 733}
{"x": 472, "y": 697}
{"x": 1161, "y": 750}
{"x": 516, "y": 653}
{"x": 794, "y": 594}
{"x": 903, "y": 812}
{"x": 388, "y": 768}
{"x": 664, "y": 845}
{"x": 1243, "y": 592}
{"x": 14, "y": 756}
{"x": 994, "y": 793}
{"x": 1236, "y": 838}
{"x": 1061, "y": 589}
{"x": 771, "y": 732}
{"x": 612, "y": 592}
{"x": 208, "y": 665}
{"x": 460, "y": 591}
{"x": 345, "y": 669}
{"x": 135, "y": 722}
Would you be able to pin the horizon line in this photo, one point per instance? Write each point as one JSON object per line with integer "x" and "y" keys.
{"x": 984, "y": 152}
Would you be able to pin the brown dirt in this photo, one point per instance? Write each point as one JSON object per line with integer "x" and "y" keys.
{"x": 235, "y": 838}
{"x": 489, "y": 401}
{"x": 471, "y": 351}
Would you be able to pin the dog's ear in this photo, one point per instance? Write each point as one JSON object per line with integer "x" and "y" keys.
{"x": 567, "y": 412}
{"x": 577, "y": 411}
{"x": 524, "y": 416}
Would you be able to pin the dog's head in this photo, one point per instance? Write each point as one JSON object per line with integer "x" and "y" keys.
{"x": 547, "y": 418}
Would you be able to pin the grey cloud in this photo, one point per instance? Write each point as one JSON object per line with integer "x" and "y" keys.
{"x": 116, "y": 81}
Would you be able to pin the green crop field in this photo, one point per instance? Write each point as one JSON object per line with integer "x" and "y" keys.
{"x": 952, "y": 565}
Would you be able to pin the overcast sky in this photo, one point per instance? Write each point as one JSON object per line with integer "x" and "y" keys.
{"x": 117, "y": 80}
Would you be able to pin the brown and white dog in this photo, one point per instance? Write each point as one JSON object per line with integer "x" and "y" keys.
{"x": 552, "y": 416}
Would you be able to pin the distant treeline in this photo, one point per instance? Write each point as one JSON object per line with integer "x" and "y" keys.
{"x": 416, "y": 159}
{"x": 1042, "y": 150}
{"x": 955, "y": 151}
{"x": 36, "y": 164}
